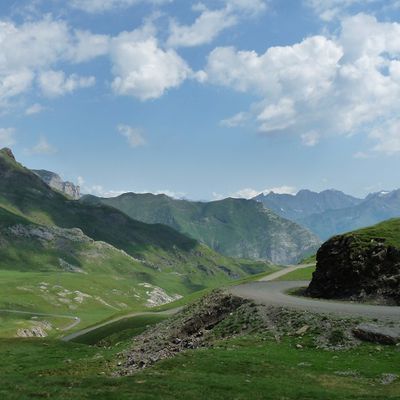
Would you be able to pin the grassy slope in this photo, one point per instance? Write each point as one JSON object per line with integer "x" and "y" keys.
{"x": 253, "y": 367}
{"x": 303, "y": 274}
{"x": 387, "y": 230}
{"x": 235, "y": 227}
{"x": 168, "y": 259}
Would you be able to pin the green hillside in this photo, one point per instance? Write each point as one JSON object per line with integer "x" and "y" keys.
{"x": 234, "y": 227}
{"x": 59, "y": 256}
{"x": 387, "y": 231}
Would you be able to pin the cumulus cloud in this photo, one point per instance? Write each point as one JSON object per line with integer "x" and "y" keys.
{"x": 328, "y": 10}
{"x": 43, "y": 147}
{"x": 34, "y": 109}
{"x": 7, "y": 137}
{"x": 249, "y": 193}
{"x": 142, "y": 68}
{"x": 56, "y": 83}
{"x": 30, "y": 48}
{"x": 205, "y": 29}
{"x": 133, "y": 135}
{"x": 310, "y": 139}
{"x": 100, "y": 6}
{"x": 210, "y": 23}
{"x": 321, "y": 86}
{"x": 238, "y": 119}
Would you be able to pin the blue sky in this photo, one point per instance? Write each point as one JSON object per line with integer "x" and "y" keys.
{"x": 204, "y": 99}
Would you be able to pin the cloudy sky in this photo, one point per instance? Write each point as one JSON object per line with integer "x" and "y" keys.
{"x": 204, "y": 99}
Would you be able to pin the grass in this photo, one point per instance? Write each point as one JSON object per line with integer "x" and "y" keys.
{"x": 120, "y": 331}
{"x": 309, "y": 260}
{"x": 253, "y": 367}
{"x": 387, "y": 230}
{"x": 23, "y": 291}
{"x": 301, "y": 274}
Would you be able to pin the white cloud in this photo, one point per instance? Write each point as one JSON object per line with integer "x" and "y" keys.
{"x": 42, "y": 147}
{"x": 81, "y": 181}
{"x": 387, "y": 137}
{"x": 100, "y": 6}
{"x": 249, "y": 193}
{"x": 34, "y": 109}
{"x": 238, "y": 119}
{"x": 247, "y": 6}
{"x": 56, "y": 83}
{"x": 310, "y": 139}
{"x": 328, "y": 10}
{"x": 28, "y": 49}
{"x": 170, "y": 193}
{"x": 204, "y": 30}
{"x": 100, "y": 191}
{"x": 276, "y": 117}
{"x": 7, "y": 137}
{"x": 210, "y": 23}
{"x": 345, "y": 85}
{"x": 134, "y": 136}
{"x": 142, "y": 68}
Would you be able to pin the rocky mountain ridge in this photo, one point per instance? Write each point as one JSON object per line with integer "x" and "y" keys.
{"x": 55, "y": 182}
{"x": 332, "y": 212}
{"x": 233, "y": 227}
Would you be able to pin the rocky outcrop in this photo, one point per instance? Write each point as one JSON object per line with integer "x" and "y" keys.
{"x": 55, "y": 182}
{"x": 377, "y": 334}
{"x": 349, "y": 267}
{"x": 8, "y": 152}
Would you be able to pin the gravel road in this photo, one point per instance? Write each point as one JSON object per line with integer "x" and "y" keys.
{"x": 275, "y": 294}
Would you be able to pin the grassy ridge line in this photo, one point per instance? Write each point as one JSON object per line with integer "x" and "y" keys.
{"x": 235, "y": 227}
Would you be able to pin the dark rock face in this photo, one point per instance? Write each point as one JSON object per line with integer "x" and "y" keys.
{"x": 348, "y": 268}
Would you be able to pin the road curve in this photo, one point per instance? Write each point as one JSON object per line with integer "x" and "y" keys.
{"x": 275, "y": 294}
{"x": 285, "y": 271}
{"x": 77, "y": 320}
{"x": 82, "y": 332}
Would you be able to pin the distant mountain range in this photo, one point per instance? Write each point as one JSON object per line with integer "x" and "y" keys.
{"x": 235, "y": 227}
{"x": 332, "y": 212}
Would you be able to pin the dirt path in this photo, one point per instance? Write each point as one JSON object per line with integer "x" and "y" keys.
{"x": 75, "y": 335}
{"x": 275, "y": 294}
{"x": 285, "y": 271}
{"x": 77, "y": 320}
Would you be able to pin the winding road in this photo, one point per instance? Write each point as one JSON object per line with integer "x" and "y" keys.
{"x": 266, "y": 291}
{"x": 76, "y": 320}
{"x": 82, "y": 332}
{"x": 274, "y": 293}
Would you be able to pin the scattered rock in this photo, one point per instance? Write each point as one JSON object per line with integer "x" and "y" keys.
{"x": 35, "y": 331}
{"x": 387, "y": 379}
{"x": 354, "y": 374}
{"x": 158, "y": 296}
{"x": 377, "y": 334}
{"x": 302, "y": 330}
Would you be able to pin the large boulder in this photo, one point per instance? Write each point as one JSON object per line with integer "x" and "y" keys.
{"x": 349, "y": 267}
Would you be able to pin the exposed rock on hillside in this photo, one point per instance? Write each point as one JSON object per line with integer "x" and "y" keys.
{"x": 55, "y": 182}
{"x": 359, "y": 268}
